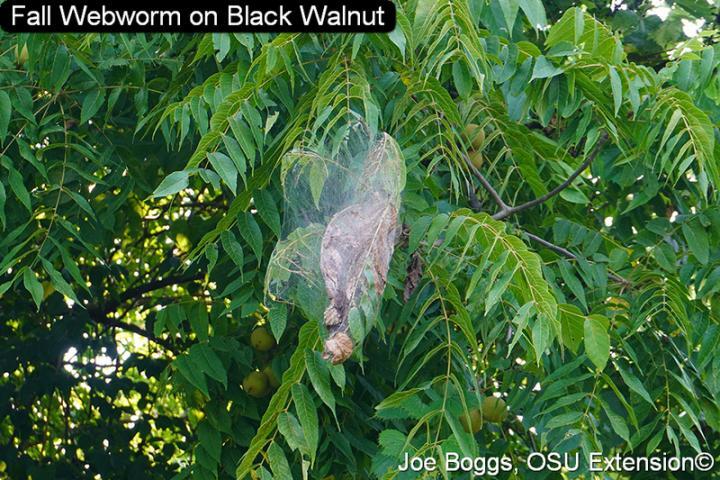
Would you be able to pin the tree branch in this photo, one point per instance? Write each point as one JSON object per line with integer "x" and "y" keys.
{"x": 100, "y": 314}
{"x": 551, "y": 246}
{"x": 568, "y": 254}
{"x": 506, "y": 210}
{"x": 544, "y": 198}
{"x": 504, "y": 207}
{"x": 140, "y": 290}
{"x": 110, "y": 322}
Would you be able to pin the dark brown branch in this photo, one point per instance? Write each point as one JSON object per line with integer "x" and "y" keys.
{"x": 568, "y": 254}
{"x": 506, "y": 212}
{"x": 100, "y": 315}
{"x": 551, "y": 246}
{"x": 504, "y": 207}
{"x": 110, "y": 322}
{"x": 140, "y": 290}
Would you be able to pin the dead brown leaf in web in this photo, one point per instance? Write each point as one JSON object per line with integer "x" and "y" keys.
{"x": 414, "y": 274}
{"x": 357, "y": 240}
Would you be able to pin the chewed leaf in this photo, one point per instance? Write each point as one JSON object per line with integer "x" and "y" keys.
{"x": 359, "y": 237}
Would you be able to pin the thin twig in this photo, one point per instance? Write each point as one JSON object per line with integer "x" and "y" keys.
{"x": 506, "y": 210}
{"x": 551, "y": 246}
{"x": 568, "y": 254}
{"x": 504, "y": 207}
{"x": 544, "y": 198}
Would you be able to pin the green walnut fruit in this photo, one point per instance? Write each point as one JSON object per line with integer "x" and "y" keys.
{"x": 261, "y": 340}
{"x": 494, "y": 409}
{"x": 471, "y": 422}
{"x": 256, "y": 385}
{"x": 271, "y": 377}
{"x": 475, "y": 135}
{"x": 477, "y": 159}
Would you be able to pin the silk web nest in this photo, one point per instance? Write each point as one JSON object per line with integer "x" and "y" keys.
{"x": 341, "y": 219}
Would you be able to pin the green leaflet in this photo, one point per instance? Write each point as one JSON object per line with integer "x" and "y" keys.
{"x": 92, "y": 103}
{"x": 307, "y": 414}
{"x": 172, "y": 184}
{"x": 33, "y": 286}
{"x": 19, "y": 189}
{"x": 319, "y": 374}
{"x": 597, "y": 340}
{"x": 5, "y": 115}
{"x": 210, "y": 440}
{"x": 251, "y": 233}
{"x": 58, "y": 281}
{"x": 697, "y": 240}
{"x": 233, "y": 248}
{"x": 616, "y": 86}
{"x": 278, "y": 462}
{"x": 197, "y": 315}
{"x": 278, "y": 320}
{"x": 572, "y": 323}
{"x": 544, "y": 69}
{"x": 207, "y": 362}
{"x": 224, "y": 166}
{"x": 3, "y": 199}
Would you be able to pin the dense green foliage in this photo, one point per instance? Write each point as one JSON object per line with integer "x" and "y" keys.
{"x": 140, "y": 200}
